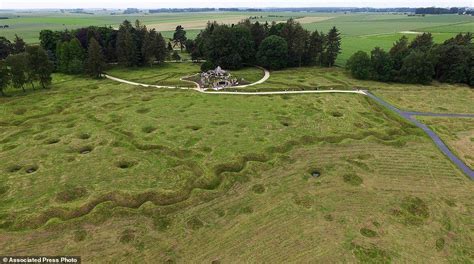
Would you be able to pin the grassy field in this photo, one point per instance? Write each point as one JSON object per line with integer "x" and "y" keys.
{"x": 359, "y": 31}
{"x": 122, "y": 173}
{"x": 169, "y": 74}
{"x": 437, "y": 97}
{"x": 457, "y": 133}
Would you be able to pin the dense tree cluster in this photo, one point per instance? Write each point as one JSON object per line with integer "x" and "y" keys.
{"x": 419, "y": 61}
{"x": 130, "y": 45}
{"x": 275, "y": 46}
{"x": 28, "y": 66}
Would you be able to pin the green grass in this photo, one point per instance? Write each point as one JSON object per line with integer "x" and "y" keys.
{"x": 457, "y": 133}
{"x": 167, "y": 74}
{"x": 304, "y": 78}
{"x": 114, "y": 172}
{"x": 437, "y": 97}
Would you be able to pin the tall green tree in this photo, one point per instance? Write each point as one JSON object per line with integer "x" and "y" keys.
{"x": 179, "y": 37}
{"x": 333, "y": 46}
{"x": 18, "y": 64}
{"x": 398, "y": 52}
{"x": 19, "y": 45}
{"x": 127, "y": 53}
{"x": 382, "y": 65}
{"x": 316, "y": 47}
{"x": 297, "y": 39}
{"x": 423, "y": 42}
{"x": 453, "y": 63}
{"x": 359, "y": 65}
{"x": 77, "y": 57}
{"x": 417, "y": 68}
{"x": 49, "y": 39}
{"x": 63, "y": 56}
{"x": 161, "y": 52}
{"x": 259, "y": 33}
{"x": 149, "y": 48}
{"x": 5, "y": 48}
{"x": 272, "y": 53}
{"x": 455, "y": 59}
{"x": 95, "y": 59}
{"x": 40, "y": 65}
{"x": 5, "y": 77}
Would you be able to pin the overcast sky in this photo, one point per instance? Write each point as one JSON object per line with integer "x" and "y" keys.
{"x": 4, "y": 4}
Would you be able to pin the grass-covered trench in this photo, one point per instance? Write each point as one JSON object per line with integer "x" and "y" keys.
{"x": 114, "y": 172}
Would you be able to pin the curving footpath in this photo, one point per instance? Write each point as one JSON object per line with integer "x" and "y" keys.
{"x": 407, "y": 115}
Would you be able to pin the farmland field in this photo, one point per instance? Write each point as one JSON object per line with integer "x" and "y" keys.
{"x": 359, "y": 31}
{"x": 125, "y": 173}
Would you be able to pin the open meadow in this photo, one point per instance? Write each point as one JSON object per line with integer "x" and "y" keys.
{"x": 359, "y": 31}
{"x": 127, "y": 173}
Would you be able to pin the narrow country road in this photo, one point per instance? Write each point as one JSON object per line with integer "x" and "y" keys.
{"x": 408, "y": 116}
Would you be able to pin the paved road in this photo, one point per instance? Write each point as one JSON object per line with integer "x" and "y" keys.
{"x": 409, "y": 116}
{"x": 439, "y": 114}
{"x": 406, "y": 115}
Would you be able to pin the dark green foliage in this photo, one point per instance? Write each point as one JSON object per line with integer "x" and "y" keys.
{"x": 228, "y": 47}
{"x": 297, "y": 39}
{"x": 95, "y": 59}
{"x": 359, "y": 65}
{"x": 179, "y": 37}
{"x": 5, "y": 77}
{"x": 19, "y": 45}
{"x": 5, "y": 48}
{"x": 41, "y": 66}
{"x": 333, "y": 46}
{"x": 127, "y": 50}
{"x": 207, "y": 65}
{"x": 420, "y": 61}
{"x": 417, "y": 68}
{"x": 70, "y": 56}
{"x": 317, "y": 45}
{"x": 49, "y": 39}
{"x": 272, "y": 53}
{"x": 18, "y": 64}
{"x": 382, "y": 65}
{"x": 233, "y": 46}
{"x": 259, "y": 33}
{"x": 398, "y": 52}
{"x": 454, "y": 61}
{"x": 423, "y": 42}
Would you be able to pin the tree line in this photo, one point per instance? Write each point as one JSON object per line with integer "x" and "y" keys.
{"x": 419, "y": 61}
{"x": 130, "y": 45}
{"x": 274, "y": 46}
{"x": 21, "y": 64}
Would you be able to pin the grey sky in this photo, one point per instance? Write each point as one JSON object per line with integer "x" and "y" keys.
{"x": 232, "y": 3}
